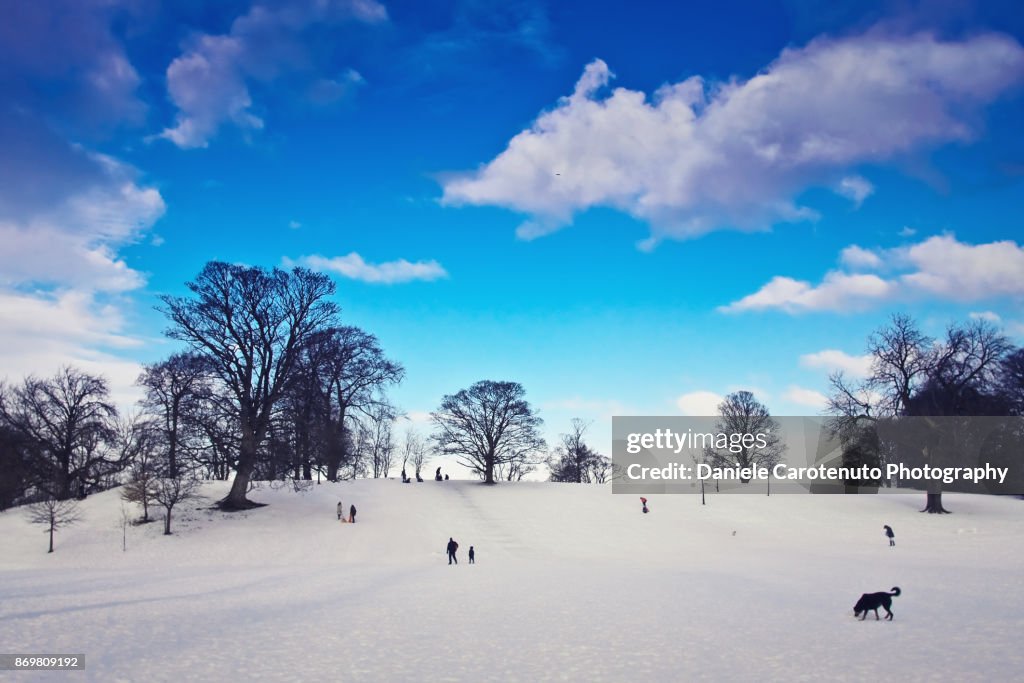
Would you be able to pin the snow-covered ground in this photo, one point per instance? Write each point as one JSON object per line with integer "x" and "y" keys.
{"x": 571, "y": 583}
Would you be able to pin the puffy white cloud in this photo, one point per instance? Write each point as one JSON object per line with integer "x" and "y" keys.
{"x": 940, "y": 266}
{"x": 354, "y": 267}
{"x": 699, "y": 403}
{"x": 837, "y": 292}
{"x": 988, "y": 316}
{"x": 948, "y": 268}
{"x": 208, "y": 83}
{"x": 858, "y": 258}
{"x": 695, "y": 157}
{"x": 805, "y": 397}
{"x": 835, "y": 360}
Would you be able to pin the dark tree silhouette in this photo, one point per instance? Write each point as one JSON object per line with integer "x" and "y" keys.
{"x": 574, "y": 461}
{"x": 250, "y": 325}
{"x": 173, "y": 387}
{"x": 66, "y": 425}
{"x": 488, "y": 425}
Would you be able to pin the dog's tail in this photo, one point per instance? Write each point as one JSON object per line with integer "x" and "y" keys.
{"x": 895, "y": 591}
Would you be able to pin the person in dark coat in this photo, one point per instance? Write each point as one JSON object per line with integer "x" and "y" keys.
{"x": 437, "y": 475}
{"x": 472, "y": 555}
{"x": 890, "y": 534}
{"x": 352, "y": 514}
{"x": 446, "y": 477}
{"x": 452, "y": 548}
{"x": 341, "y": 510}
{"x": 643, "y": 501}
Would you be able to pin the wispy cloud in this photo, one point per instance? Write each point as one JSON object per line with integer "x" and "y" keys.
{"x": 833, "y": 360}
{"x": 940, "y": 267}
{"x": 354, "y": 267}
{"x": 699, "y": 403}
{"x": 209, "y": 81}
{"x": 701, "y": 157}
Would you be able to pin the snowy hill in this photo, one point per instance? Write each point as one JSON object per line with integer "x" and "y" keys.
{"x": 571, "y": 583}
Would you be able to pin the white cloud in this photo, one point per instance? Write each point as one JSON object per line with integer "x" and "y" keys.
{"x": 857, "y": 258}
{"x": 699, "y": 403}
{"x": 939, "y": 266}
{"x": 837, "y": 292}
{"x": 805, "y": 397}
{"x": 964, "y": 272}
{"x": 41, "y": 332}
{"x": 208, "y": 83}
{"x": 74, "y": 242}
{"x": 353, "y": 266}
{"x": 907, "y": 231}
{"x": 855, "y": 188}
{"x": 835, "y": 360}
{"x": 695, "y": 157}
{"x": 988, "y": 316}
{"x": 294, "y": 225}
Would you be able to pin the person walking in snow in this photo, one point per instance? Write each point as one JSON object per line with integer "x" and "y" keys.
{"x": 643, "y": 502}
{"x": 341, "y": 510}
{"x": 452, "y": 548}
{"x": 890, "y": 534}
{"x": 472, "y": 555}
{"x": 352, "y": 514}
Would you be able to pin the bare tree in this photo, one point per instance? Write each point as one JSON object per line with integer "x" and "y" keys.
{"x": 173, "y": 387}
{"x": 349, "y": 373}
{"x": 250, "y": 325}
{"x": 170, "y": 491}
{"x": 414, "y": 451}
{"x": 743, "y": 415}
{"x": 66, "y": 423}
{"x": 915, "y": 375}
{"x": 490, "y": 424}
{"x": 55, "y": 514}
{"x": 377, "y": 441}
{"x": 573, "y": 460}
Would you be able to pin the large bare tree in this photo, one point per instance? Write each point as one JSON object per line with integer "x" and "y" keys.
{"x": 914, "y": 375}
{"x": 488, "y": 425}
{"x": 250, "y": 325}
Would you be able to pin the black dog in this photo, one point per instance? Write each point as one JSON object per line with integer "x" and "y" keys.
{"x": 872, "y": 601}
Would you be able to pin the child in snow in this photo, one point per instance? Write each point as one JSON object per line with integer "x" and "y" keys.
{"x": 352, "y": 514}
{"x": 341, "y": 510}
{"x": 472, "y": 555}
{"x": 643, "y": 501}
{"x": 890, "y": 534}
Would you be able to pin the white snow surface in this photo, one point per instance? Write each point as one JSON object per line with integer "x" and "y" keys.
{"x": 572, "y": 583}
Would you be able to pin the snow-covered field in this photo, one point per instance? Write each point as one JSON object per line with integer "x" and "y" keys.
{"x": 571, "y": 583}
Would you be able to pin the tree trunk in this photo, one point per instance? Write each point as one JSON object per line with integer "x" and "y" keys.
{"x": 489, "y": 469}
{"x": 51, "y": 538}
{"x": 247, "y": 455}
{"x": 934, "y": 501}
{"x": 167, "y": 523}
{"x": 934, "y": 504}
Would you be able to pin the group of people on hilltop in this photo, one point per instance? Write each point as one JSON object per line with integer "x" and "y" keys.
{"x": 351, "y": 513}
{"x": 453, "y": 548}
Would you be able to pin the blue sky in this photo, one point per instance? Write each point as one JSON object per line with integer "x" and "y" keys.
{"x": 630, "y": 208}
